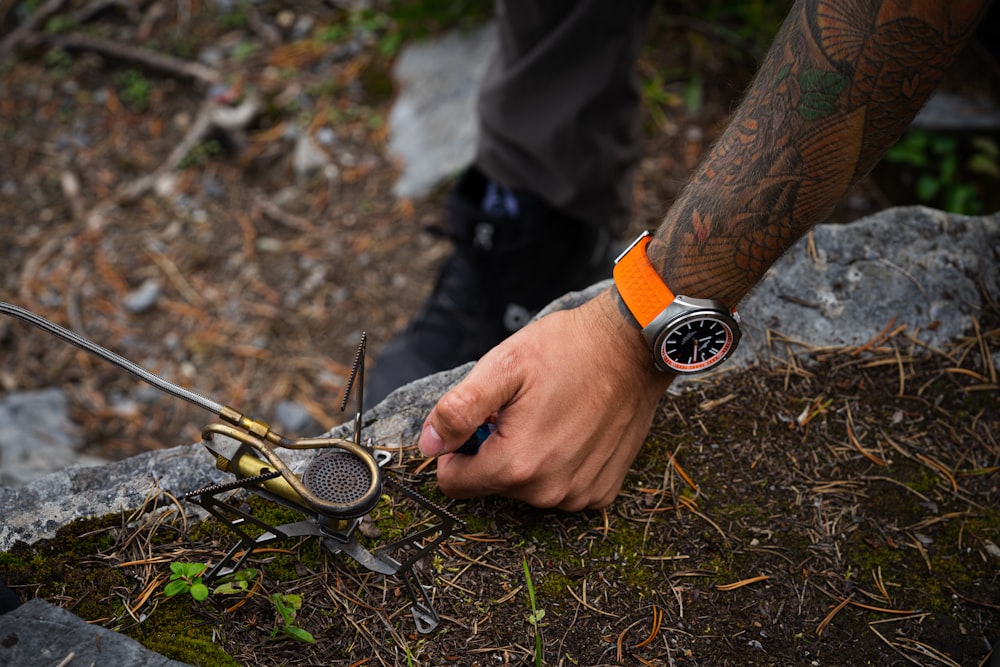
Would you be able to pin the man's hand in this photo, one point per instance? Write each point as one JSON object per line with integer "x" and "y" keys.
{"x": 574, "y": 396}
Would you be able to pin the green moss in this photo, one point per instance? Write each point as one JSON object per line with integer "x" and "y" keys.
{"x": 67, "y": 562}
{"x": 553, "y": 586}
{"x": 928, "y": 579}
{"x": 171, "y": 632}
{"x": 69, "y": 568}
{"x": 477, "y": 523}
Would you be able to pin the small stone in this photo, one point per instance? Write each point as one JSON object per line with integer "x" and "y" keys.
{"x": 269, "y": 244}
{"x": 308, "y": 157}
{"x": 294, "y": 417}
{"x": 142, "y": 299}
{"x": 303, "y": 26}
{"x": 285, "y": 19}
{"x": 326, "y": 136}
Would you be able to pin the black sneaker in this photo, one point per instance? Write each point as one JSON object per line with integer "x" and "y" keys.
{"x": 513, "y": 255}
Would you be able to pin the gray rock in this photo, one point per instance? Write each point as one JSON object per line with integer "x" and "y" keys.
{"x": 915, "y": 266}
{"x": 292, "y": 417}
{"x": 910, "y": 265}
{"x": 37, "y": 436}
{"x": 41, "y": 634}
{"x": 946, "y": 112}
{"x": 432, "y": 125}
{"x": 144, "y": 297}
{"x": 308, "y": 157}
{"x": 36, "y": 510}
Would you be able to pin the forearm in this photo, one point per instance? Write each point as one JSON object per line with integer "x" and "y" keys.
{"x": 841, "y": 83}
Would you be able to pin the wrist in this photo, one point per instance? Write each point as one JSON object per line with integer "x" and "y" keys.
{"x": 685, "y": 335}
{"x": 624, "y": 337}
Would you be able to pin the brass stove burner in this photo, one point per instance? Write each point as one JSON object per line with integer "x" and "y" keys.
{"x": 338, "y": 488}
{"x": 342, "y": 477}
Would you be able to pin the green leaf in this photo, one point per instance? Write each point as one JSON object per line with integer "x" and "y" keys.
{"x": 909, "y": 152}
{"x": 188, "y": 570}
{"x": 237, "y": 582}
{"x": 944, "y": 144}
{"x": 298, "y": 633}
{"x": 949, "y": 167}
{"x": 694, "y": 93}
{"x": 986, "y": 146}
{"x": 175, "y": 587}
{"x": 290, "y": 601}
{"x": 962, "y": 199}
{"x": 927, "y": 187}
{"x": 284, "y": 608}
{"x": 985, "y": 165}
{"x": 536, "y": 617}
{"x": 231, "y": 587}
{"x": 199, "y": 591}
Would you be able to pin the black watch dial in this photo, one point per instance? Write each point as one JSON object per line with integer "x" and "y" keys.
{"x": 697, "y": 345}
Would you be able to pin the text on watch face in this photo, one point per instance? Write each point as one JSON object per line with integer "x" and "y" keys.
{"x": 696, "y": 345}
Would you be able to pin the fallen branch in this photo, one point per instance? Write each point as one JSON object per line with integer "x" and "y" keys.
{"x": 151, "y": 59}
{"x": 27, "y": 28}
{"x": 211, "y": 115}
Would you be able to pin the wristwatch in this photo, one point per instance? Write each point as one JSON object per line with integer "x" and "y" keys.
{"x": 685, "y": 335}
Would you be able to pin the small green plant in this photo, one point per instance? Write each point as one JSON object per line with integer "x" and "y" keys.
{"x": 244, "y": 50}
{"x": 287, "y": 605}
{"x": 59, "y": 62}
{"x": 234, "y": 17}
{"x": 186, "y": 578}
{"x": 134, "y": 88}
{"x": 237, "y": 582}
{"x": 536, "y": 615}
{"x": 657, "y": 98}
{"x": 58, "y": 25}
{"x": 200, "y": 154}
{"x": 945, "y": 166}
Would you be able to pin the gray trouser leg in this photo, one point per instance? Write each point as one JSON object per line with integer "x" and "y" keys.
{"x": 559, "y": 108}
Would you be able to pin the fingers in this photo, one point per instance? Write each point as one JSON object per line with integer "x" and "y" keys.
{"x": 573, "y": 396}
{"x": 545, "y": 474}
{"x": 477, "y": 398}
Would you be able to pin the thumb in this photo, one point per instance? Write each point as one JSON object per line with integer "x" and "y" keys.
{"x": 474, "y": 400}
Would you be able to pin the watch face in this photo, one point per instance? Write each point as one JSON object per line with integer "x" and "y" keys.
{"x": 697, "y": 345}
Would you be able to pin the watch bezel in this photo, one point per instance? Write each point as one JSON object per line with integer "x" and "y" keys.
{"x": 682, "y": 311}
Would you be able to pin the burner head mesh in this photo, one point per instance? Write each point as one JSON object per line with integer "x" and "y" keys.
{"x": 341, "y": 477}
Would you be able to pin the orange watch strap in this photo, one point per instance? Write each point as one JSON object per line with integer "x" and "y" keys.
{"x": 640, "y": 286}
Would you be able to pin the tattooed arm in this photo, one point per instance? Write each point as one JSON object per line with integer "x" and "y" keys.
{"x": 576, "y": 391}
{"x": 841, "y": 83}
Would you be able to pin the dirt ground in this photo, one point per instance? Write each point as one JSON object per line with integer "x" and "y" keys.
{"x": 838, "y": 511}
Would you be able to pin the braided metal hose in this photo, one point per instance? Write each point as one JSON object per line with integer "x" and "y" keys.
{"x": 109, "y": 356}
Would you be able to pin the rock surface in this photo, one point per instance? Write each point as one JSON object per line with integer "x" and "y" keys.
{"x": 37, "y": 436}
{"x": 915, "y": 266}
{"x": 28, "y": 639}
{"x": 912, "y": 266}
{"x": 432, "y": 126}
